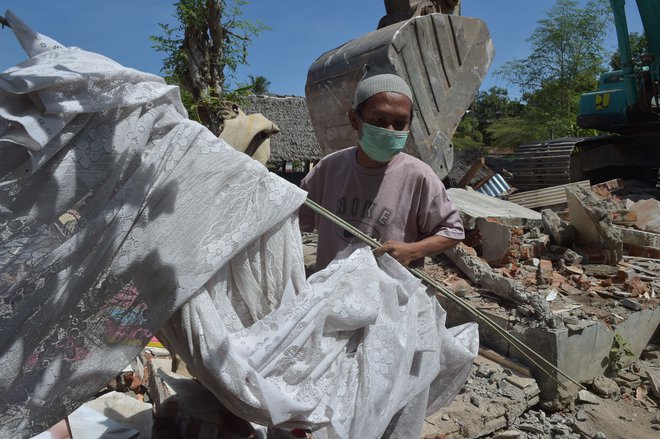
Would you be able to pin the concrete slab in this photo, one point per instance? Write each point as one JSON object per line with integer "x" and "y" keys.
{"x": 125, "y": 410}
{"x": 496, "y": 241}
{"x": 639, "y": 238}
{"x": 474, "y": 205}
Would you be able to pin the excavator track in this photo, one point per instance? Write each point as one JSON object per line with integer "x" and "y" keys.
{"x": 543, "y": 164}
{"x": 567, "y": 160}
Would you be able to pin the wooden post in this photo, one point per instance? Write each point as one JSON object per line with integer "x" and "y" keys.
{"x": 474, "y": 170}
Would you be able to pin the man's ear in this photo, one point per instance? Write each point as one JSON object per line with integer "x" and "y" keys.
{"x": 353, "y": 117}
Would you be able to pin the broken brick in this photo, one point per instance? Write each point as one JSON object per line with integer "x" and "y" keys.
{"x": 581, "y": 281}
{"x": 557, "y": 279}
{"x": 638, "y": 287}
{"x": 623, "y": 217}
{"x": 545, "y": 272}
{"x": 625, "y": 275}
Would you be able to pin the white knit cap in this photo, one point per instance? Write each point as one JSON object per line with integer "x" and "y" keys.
{"x": 377, "y": 80}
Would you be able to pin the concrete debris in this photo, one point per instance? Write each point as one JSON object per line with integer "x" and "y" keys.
{"x": 493, "y": 398}
{"x": 632, "y": 304}
{"x": 654, "y": 381}
{"x": 562, "y": 232}
{"x": 571, "y": 257}
{"x": 479, "y": 272}
{"x": 563, "y": 282}
{"x": 604, "y": 386}
{"x": 474, "y": 205}
{"x": 586, "y": 396}
{"x": 648, "y": 215}
{"x": 592, "y": 223}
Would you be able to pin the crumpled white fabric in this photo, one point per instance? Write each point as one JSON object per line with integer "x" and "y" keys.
{"x": 119, "y": 216}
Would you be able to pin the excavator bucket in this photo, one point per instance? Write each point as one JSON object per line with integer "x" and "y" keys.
{"x": 444, "y": 59}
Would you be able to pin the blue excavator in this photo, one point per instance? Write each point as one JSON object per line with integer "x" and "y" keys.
{"x": 626, "y": 105}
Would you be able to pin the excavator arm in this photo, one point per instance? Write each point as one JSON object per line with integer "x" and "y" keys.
{"x": 400, "y": 10}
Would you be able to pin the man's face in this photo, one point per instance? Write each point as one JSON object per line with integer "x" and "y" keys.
{"x": 386, "y": 110}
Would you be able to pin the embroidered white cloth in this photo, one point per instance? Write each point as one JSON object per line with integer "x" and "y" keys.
{"x": 119, "y": 216}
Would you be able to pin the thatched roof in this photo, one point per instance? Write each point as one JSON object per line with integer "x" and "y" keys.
{"x": 296, "y": 141}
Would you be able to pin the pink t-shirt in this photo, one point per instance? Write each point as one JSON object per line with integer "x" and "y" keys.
{"x": 403, "y": 201}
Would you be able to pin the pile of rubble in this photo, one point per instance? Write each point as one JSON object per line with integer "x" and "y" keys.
{"x": 501, "y": 400}
{"x": 573, "y": 272}
{"x": 597, "y": 247}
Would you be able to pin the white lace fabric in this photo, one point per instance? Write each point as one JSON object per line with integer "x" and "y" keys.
{"x": 119, "y": 217}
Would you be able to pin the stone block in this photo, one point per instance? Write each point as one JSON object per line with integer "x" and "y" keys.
{"x": 594, "y": 227}
{"x": 587, "y": 397}
{"x": 571, "y": 257}
{"x": 605, "y": 387}
{"x": 125, "y": 410}
{"x": 632, "y": 304}
{"x": 639, "y": 238}
{"x": 544, "y": 275}
{"x": 654, "y": 382}
{"x": 648, "y": 215}
{"x": 562, "y": 232}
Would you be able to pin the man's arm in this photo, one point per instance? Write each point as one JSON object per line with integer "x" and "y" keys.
{"x": 405, "y": 253}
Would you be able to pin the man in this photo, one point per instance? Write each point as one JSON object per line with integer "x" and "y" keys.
{"x": 388, "y": 194}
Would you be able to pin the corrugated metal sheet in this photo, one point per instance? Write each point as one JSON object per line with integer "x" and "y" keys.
{"x": 545, "y": 197}
{"x": 495, "y": 186}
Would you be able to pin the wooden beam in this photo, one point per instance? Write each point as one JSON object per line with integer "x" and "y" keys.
{"x": 474, "y": 170}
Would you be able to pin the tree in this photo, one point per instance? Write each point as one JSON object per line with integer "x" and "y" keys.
{"x": 492, "y": 105}
{"x": 259, "y": 84}
{"x": 509, "y": 132}
{"x": 203, "y": 52}
{"x": 467, "y": 135}
{"x": 638, "y": 46}
{"x": 567, "y": 57}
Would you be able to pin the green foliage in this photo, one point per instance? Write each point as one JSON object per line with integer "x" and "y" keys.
{"x": 618, "y": 352}
{"x": 509, "y": 132}
{"x": 567, "y": 57}
{"x": 639, "y": 45}
{"x": 492, "y": 105}
{"x": 467, "y": 136}
{"x": 259, "y": 84}
{"x": 239, "y": 95}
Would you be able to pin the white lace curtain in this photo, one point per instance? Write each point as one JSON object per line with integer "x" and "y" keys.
{"x": 119, "y": 216}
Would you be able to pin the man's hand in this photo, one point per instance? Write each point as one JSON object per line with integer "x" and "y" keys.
{"x": 407, "y": 252}
{"x": 403, "y": 252}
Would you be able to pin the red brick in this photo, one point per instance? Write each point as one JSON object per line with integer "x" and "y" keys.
{"x": 545, "y": 272}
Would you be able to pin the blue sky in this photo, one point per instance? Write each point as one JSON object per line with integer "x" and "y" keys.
{"x": 301, "y": 31}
